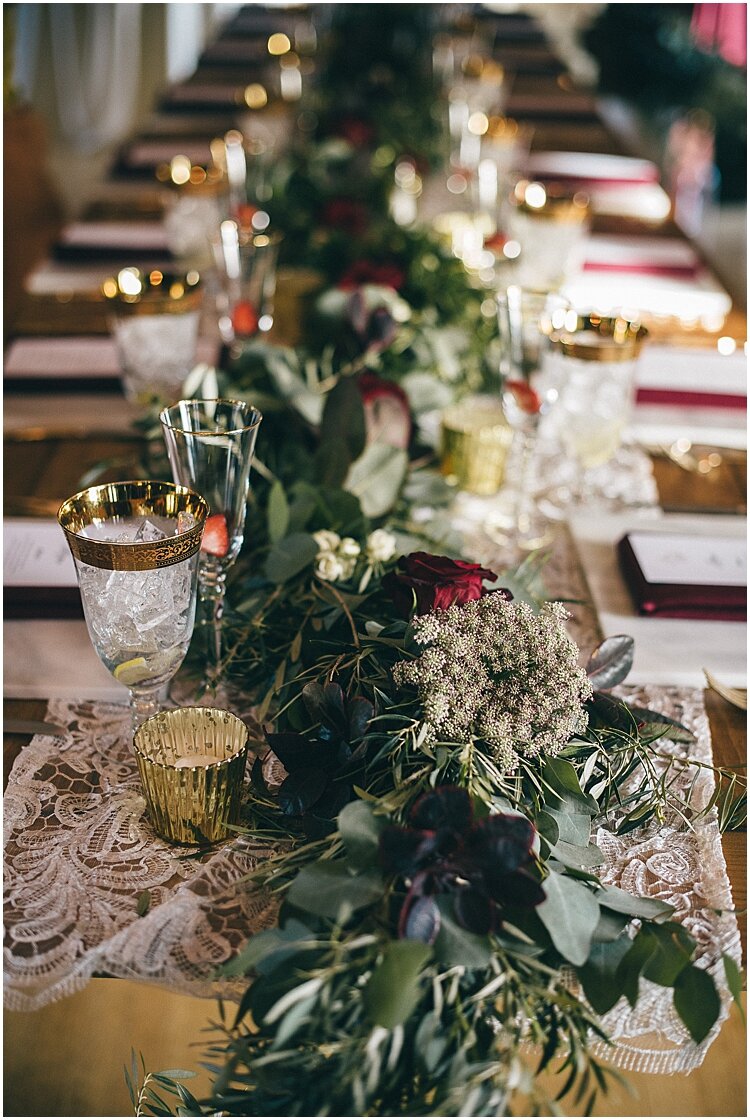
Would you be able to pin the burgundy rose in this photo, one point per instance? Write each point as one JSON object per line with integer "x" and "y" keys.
{"x": 385, "y": 275}
{"x": 437, "y": 582}
{"x": 387, "y": 413}
{"x": 345, "y": 214}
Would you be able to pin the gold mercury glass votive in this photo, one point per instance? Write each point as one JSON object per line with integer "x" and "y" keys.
{"x": 192, "y": 765}
{"x": 475, "y": 441}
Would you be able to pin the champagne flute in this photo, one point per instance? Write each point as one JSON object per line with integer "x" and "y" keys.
{"x": 210, "y": 444}
{"x": 527, "y": 319}
{"x": 135, "y": 547}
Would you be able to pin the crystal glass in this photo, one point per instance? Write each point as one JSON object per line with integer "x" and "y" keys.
{"x": 154, "y": 320}
{"x": 594, "y": 360}
{"x": 192, "y": 763}
{"x": 246, "y": 261}
{"x": 210, "y": 444}
{"x": 549, "y": 226}
{"x": 135, "y": 547}
{"x": 527, "y": 318}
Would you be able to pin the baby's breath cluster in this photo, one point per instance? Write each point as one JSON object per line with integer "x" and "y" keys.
{"x": 494, "y": 670}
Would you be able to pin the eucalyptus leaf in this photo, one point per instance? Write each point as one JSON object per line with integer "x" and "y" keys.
{"x": 392, "y": 991}
{"x": 342, "y": 432}
{"x": 613, "y": 898}
{"x": 673, "y": 950}
{"x": 455, "y": 945}
{"x": 328, "y": 890}
{"x": 277, "y": 513}
{"x": 611, "y": 661}
{"x": 734, "y": 981}
{"x": 289, "y": 556}
{"x": 360, "y": 830}
{"x": 562, "y": 777}
{"x": 696, "y": 1001}
{"x": 577, "y": 855}
{"x": 375, "y": 478}
{"x": 570, "y": 913}
{"x": 266, "y": 943}
{"x": 599, "y": 975}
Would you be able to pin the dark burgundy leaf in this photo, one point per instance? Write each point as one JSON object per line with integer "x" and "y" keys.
{"x": 313, "y": 696}
{"x": 447, "y": 807}
{"x": 360, "y": 711}
{"x": 258, "y": 780}
{"x": 474, "y": 911}
{"x": 420, "y": 920}
{"x": 291, "y": 749}
{"x": 501, "y": 842}
{"x": 300, "y": 791}
{"x": 335, "y": 796}
{"x": 516, "y": 889}
{"x": 401, "y": 849}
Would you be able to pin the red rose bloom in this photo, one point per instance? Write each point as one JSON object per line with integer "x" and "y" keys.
{"x": 359, "y": 133}
{"x": 368, "y": 272}
{"x": 345, "y": 214}
{"x": 437, "y": 582}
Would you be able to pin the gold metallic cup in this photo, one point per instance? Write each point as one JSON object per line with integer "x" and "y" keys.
{"x": 476, "y": 439}
{"x": 192, "y": 765}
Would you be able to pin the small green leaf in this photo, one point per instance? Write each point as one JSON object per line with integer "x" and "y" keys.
{"x": 360, "y": 830}
{"x": 455, "y": 945}
{"x": 674, "y": 949}
{"x": 562, "y": 777}
{"x": 376, "y": 478}
{"x": 181, "y": 1074}
{"x": 342, "y": 432}
{"x": 277, "y": 513}
{"x": 734, "y": 981}
{"x": 143, "y": 903}
{"x": 624, "y": 903}
{"x": 392, "y": 991}
{"x": 696, "y": 1001}
{"x": 287, "y": 558}
{"x": 329, "y": 890}
{"x": 599, "y": 975}
{"x": 570, "y": 913}
{"x": 577, "y": 855}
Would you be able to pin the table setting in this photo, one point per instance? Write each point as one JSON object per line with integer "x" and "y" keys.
{"x": 375, "y": 583}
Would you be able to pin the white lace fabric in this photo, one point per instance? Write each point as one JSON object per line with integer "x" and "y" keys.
{"x": 79, "y": 852}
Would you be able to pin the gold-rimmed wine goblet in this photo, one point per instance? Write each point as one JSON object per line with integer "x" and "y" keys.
{"x": 210, "y": 444}
{"x": 135, "y": 547}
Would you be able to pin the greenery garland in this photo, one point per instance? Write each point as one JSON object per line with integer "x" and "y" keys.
{"x": 444, "y": 932}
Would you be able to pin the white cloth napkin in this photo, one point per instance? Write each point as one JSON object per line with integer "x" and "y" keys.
{"x": 55, "y": 660}
{"x": 143, "y": 236}
{"x": 667, "y": 650}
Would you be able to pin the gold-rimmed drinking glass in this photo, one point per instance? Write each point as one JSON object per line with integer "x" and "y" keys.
{"x": 210, "y": 444}
{"x": 595, "y": 358}
{"x": 548, "y": 223}
{"x": 154, "y": 318}
{"x": 135, "y": 546}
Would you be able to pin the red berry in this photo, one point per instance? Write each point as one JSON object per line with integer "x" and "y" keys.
{"x": 215, "y": 535}
{"x": 527, "y": 399}
{"x": 244, "y": 319}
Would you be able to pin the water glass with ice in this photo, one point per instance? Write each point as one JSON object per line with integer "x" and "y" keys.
{"x": 135, "y": 547}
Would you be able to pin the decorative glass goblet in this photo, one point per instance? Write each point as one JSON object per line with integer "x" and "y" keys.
{"x": 246, "y": 263}
{"x": 594, "y": 359}
{"x": 135, "y": 547}
{"x": 527, "y": 319}
{"x": 210, "y": 444}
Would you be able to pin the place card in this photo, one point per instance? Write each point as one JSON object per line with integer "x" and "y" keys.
{"x": 680, "y": 575}
{"x": 39, "y": 576}
{"x": 668, "y": 651}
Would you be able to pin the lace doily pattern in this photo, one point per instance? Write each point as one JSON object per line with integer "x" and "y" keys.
{"x": 79, "y": 853}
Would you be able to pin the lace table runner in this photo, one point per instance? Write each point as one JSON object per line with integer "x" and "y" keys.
{"x": 79, "y": 853}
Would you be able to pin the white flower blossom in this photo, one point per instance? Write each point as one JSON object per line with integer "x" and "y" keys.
{"x": 348, "y": 564}
{"x": 329, "y": 567}
{"x": 326, "y": 540}
{"x": 348, "y": 548}
{"x": 381, "y": 545}
{"x": 493, "y": 670}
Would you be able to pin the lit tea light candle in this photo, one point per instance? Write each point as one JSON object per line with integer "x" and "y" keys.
{"x": 195, "y": 760}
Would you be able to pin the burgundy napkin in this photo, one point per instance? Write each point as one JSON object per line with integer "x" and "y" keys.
{"x": 720, "y": 603}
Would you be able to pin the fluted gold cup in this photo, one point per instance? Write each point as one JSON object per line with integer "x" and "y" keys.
{"x": 475, "y": 441}
{"x": 192, "y": 765}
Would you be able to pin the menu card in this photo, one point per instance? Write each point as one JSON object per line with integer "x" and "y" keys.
{"x": 675, "y": 575}
{"x": 39, "y": 576}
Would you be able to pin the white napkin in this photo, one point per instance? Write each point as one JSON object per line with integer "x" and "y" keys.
{"x": 66, "y": 356}
{"x": 593, "y": 166}
{"x": 147, "y": 153}
{"x": 55, "y": 660}
{"x": 667, "y": 650}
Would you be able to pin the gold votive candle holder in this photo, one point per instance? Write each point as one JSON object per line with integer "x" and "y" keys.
{"x": 475, "y": 441}
{"x": 192, "y": 765}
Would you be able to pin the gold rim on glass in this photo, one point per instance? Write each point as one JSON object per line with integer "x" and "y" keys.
{"x": 601, "y": 338}
{"x": 133, "y": 292}
{"x": 132, "y": 499}
{"x": 165, "y": 416}
{"x": 553, "y": 203}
